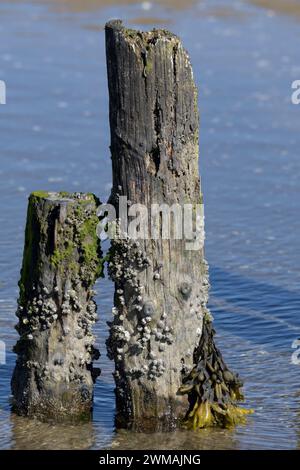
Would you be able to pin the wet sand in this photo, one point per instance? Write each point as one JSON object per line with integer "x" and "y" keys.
{"x": 286, "y": 7}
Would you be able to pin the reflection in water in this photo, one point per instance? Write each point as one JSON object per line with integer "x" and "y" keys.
{"x": 204, "y": 439}
{"x": 297, "y": 419}
{"x": 32, "y": 434}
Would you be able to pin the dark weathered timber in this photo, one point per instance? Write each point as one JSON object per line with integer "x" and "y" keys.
{"x": 53, "y": 377}
{"x": 161, "y": 288}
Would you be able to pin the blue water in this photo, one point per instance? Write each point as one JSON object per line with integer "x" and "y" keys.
{"x": 54, "y": 135}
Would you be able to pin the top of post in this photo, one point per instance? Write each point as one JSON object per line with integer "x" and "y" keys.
{"x": 63, "y": 196}
{"x": 116, "y": 26}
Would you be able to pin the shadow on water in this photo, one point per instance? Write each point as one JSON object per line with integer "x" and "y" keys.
{"x": 272, "y": 312}
{"x": 31, "y": 434}
{"x": 297, "y": 420}
{"x": 179, "y": 440}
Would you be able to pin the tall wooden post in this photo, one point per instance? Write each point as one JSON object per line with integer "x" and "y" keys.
{"x": 154, "y": 146}
{"x": 53, "y": 377}
{"x": 161, "y": 287}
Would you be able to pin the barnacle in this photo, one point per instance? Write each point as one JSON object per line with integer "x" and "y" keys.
{"x": 185, "y": 289}
{"x": 213, "y": 390}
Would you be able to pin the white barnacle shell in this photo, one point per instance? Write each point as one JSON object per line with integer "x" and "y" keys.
{"x": 72, "y": 293}
{"x": 126, "y": 335}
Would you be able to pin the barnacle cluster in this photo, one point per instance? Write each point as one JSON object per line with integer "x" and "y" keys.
{"x": 126, "y": 259}
{"x": 212, "y": 388}
{"x": 56, "y": 309}
{"x": 147, "y": 331}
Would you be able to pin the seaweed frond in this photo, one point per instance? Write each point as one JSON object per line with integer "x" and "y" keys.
{"x": 212, "y": 388}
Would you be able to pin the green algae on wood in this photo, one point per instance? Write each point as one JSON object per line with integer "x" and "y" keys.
{"x": 54, "y": 373}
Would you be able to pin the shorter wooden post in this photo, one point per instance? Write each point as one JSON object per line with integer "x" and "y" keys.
{"x": 53, "y": 377}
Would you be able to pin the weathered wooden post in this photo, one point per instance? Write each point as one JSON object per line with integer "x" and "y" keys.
{"x": 53, "y": 377}
{"x": 161, "y": 292}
